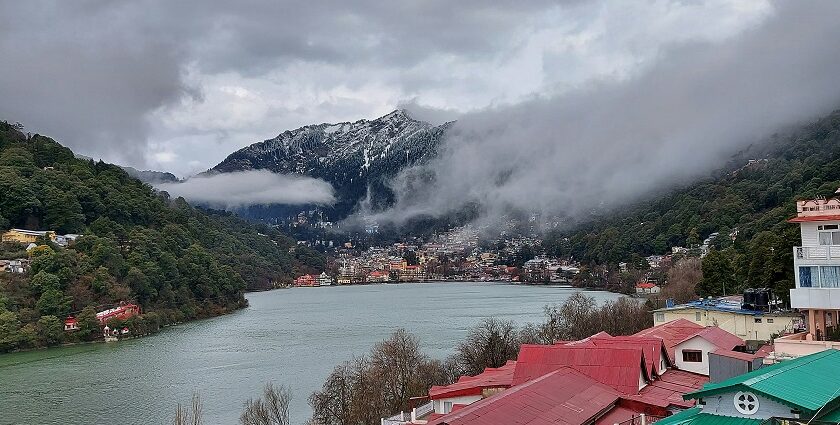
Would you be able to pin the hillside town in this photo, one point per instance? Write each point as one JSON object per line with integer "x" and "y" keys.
{"x": 731, "y": 360}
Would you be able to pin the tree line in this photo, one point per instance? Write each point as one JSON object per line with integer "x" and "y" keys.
{"x": 177, "y": 261}
{"x": 749, "y": 202}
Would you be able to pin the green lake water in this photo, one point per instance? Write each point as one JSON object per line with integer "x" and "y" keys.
{"x": 293, "y": 337}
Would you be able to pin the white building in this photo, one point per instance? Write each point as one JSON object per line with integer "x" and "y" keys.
{"x": 817, "y": 265}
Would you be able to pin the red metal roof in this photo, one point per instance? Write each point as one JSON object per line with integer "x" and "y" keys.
{"x": 735, "y": 355}
{"x": 672, "y": 333}
{"x": 617, "y": 415}
{"x": 564, "y": 396}
{"x": 646, "y": 285}
{"x": 717, "y": 336}
{"x": 618, "y": 367}
{"x": 472, "y": 385}
{"x": 810, "y": 218}
{"x": 667, "y": 391}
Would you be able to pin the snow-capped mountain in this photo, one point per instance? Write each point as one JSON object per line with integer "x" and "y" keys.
{"x": 352, "y": 156}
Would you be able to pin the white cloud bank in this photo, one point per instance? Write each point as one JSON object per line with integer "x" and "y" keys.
{"x": 254, "y": 187}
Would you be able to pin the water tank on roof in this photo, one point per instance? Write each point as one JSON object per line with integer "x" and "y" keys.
{"x": 749, "y": 299}
{"x": 762, "y": 299}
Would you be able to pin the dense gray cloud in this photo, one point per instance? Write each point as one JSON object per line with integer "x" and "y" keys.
{"x": 255, "y": 187}
{"x": 608, "y": 143}
{"x": 177, "y": 86}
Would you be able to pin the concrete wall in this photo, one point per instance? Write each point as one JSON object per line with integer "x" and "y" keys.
{"x": 695, "y": 343}
{"x": 468, "y": 399}
{"x": 724, "y": 405}
{"x": 796, "y": 346}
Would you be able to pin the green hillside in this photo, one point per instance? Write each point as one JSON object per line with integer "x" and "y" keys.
{"x": 178, "y": 262}
{"x": 755, "y": 197}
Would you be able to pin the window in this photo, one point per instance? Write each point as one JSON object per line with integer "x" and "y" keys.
{"x": 830, "y": 277}
{"x": 692, "y": 356}
{"x": 829, "y": 234}
{"x": 697, "y": 316}
{"x": 769, "y": 320}
{"x": 808, "y": 277}
{"x": 447, "y": 406}
{"x": 660, "y": 317}
{"x": 757, "y": 320}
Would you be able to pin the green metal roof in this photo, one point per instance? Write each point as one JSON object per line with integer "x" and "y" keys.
{"x": 830, "y": 417}
{"x": 808, "y": 382}
{"x": 695, "y": 416}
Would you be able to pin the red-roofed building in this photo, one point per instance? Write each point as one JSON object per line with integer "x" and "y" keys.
{"x": 563, "y": 396}
{"x": 672, "y": 333}
{"x": 628, "y": 375}
{"x": 470, "y": 389}
{"x": 122, "y": 312}
{"x": 623, "y": 369}
{"x": 647, "y": 288}
{"x": 689, "y": 344}
{"x": 307, "y": 280}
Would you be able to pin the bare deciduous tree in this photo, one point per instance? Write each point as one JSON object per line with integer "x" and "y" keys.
{"x": 580, "y": 317}
{"x": 189, "y": 415}
{"x": 368, "y": 388}
{"x": 683, "y": 278}
{"x": 271, "y": 409}
{"x": 490, "y": 344}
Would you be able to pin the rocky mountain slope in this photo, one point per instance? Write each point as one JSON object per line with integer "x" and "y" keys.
{"x": 352, "y": 156}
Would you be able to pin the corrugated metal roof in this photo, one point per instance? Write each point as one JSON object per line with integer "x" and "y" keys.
{"x": 620, "y": 368}
{"x": 735, "y": 355}
{"x": 678, "y": 331}
{"x": 809, "y": 218}
{"x": 667, "y": 391}
{"x": 564, "y": 396}
{"x": 467, "y": 385}
{"x": 807, "y": 383}
{"x": 717, "y": 336}
{"x": 696, "y": 417}
{"x": 672, "y": 333}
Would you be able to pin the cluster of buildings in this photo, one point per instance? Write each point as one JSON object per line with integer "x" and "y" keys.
{"x": 30, "y": 238}
{"x": 727, "y": 361}
{"x": 311, "y": 280}
{"x": 27, "y": 237}
{"x": 456, "y": 255}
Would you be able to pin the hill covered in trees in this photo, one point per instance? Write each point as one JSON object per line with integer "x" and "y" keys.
{"x": 750, "y": 197}
{"x": 176, "y": 261}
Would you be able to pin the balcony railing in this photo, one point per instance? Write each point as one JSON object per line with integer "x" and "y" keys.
{"x": 823, "y": 252}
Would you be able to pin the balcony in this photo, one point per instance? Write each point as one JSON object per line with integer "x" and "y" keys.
{"x": 822, "y": 252}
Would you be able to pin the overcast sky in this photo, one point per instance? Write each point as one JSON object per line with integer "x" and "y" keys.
{"x": 177, "y": 86}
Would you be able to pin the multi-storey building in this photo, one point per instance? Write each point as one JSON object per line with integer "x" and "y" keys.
{"x": 817, "y": 265}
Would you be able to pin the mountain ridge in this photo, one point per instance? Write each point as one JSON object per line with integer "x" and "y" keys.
{"x": 357, "y": 157}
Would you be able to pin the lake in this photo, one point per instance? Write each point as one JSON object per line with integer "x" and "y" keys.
{"x": 293, "y": 337}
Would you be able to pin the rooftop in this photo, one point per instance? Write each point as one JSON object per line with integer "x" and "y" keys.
{"x": 564, "y": 396}
{"x": 696, "y": 417}
{"x": 473, "y": 385}
{"x": 807, "y": 383}
{"x": 725, "y": 304}
{"x": 620, "y": 368}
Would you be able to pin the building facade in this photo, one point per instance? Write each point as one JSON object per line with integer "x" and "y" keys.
{"x": 817, "y": 265}
{"x": 728, "y": 314}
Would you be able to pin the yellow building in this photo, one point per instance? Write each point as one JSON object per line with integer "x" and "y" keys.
{"x": 26, "y": 236}
{"x": 728, "y": 314}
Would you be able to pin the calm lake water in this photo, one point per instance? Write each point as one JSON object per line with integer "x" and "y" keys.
{"x": 293, "y": 337}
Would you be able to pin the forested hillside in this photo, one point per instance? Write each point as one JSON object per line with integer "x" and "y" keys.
{"x": 754, "y": 194}
{"x": 140, "y": 246}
